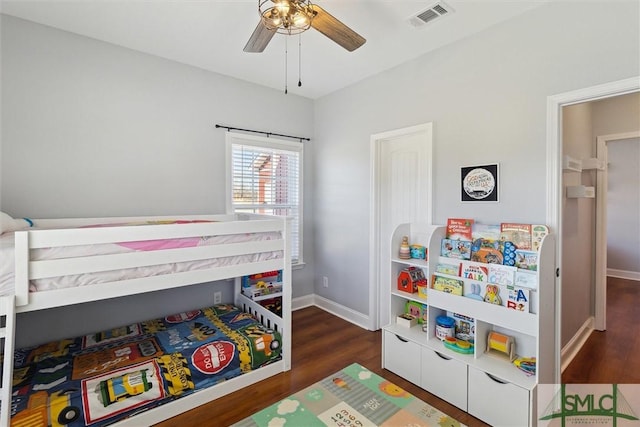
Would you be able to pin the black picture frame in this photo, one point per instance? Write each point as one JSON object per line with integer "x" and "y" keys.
{"x": 479, "y": 183}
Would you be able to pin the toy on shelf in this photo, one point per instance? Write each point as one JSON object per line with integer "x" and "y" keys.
{"x": 410, "y": 278}
{"x": 418, "y": 252}
{"x": 460, "y": 346}
{"x": 417, "y": 310}
{"x": 274, "y": 305}
{"x": 262, "y": 285}
{"x": 445, "y": 327}
{"x": 405, "y": 249}
{"x": 526, "y": 365}
{"x": 501, "y": 345}
{"x": 465, "y": 328}
{"x": 406, "y": 320}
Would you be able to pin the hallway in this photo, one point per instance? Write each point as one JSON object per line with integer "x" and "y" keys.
{"x": 612, "y": 356}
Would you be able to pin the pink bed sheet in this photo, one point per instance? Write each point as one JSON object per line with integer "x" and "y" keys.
{"x": 7, "y": 258}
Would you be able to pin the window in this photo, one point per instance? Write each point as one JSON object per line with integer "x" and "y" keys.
{"x": 265, "y": 177}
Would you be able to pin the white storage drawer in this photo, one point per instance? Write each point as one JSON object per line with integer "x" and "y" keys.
{"x": 402, "y": 357}
{"x": 497, "y": 402}
{"x": 444, "y": 377}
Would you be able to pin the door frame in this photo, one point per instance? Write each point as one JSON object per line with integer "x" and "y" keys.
{"x": 376, "y": 142}
{"x": 555, "y": 193}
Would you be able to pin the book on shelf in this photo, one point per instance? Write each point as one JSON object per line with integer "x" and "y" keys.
{"x": 486, "y": 251}
{"x": 526, "y": 279}
{"x": 508, "y": 253}
{"x": 518, "y": 299}
{"x": 475, "y": 290}
{"x": 460, "y": 229}
{"x": 473, "y": 271}
{"x": 446, "y": 268}
{"x": 527, "y": 260}
{"x": 465, "y": 327}
{"x": 490, "y": 232}
{"x": 460, "y": 249}
{"x": 448, "y": 285}
{"x": 538, "y": 231}
{"x": 501, "y": 274}
{"x": 518, "y": 234}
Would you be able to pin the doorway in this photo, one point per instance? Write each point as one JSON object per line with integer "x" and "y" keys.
{"x": 555, "y": 187}
{"x": 401, "y": 182}
{"x": 603, "y": 225}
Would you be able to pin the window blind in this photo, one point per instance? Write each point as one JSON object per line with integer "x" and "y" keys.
{"x": 266, "y": 180}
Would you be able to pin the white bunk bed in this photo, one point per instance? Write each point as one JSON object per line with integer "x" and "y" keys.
{"x": 236, "y": 259}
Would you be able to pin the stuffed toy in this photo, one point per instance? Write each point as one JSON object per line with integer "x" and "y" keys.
{"x": 8, "y": 224}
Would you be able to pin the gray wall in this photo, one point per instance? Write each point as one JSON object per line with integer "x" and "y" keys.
{"x": 612, "y": 116}
{"x": 579, "y": 222}
{"x": 93, "y": 129}
{"x": 75, "y": 109}
{"x": 623, "y": 207}
{"x": 487, "y": 97}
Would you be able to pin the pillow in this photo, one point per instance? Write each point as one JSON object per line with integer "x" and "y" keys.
{"x": 9, "y": 224}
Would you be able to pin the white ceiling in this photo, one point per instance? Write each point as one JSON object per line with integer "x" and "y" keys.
{"x": 211, "y": 34}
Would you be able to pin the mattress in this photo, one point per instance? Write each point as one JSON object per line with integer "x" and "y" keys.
{"x": 100, "y": 378}
{"x": 7, "y": 258}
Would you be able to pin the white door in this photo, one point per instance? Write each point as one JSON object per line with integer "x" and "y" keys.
{"x": 401, "y": 181}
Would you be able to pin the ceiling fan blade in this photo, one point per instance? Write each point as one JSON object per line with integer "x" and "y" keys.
{"x": 259, "y": 39}
{"x": 331, "y": 27}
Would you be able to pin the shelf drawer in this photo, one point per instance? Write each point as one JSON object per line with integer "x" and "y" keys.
{"x": 401, "y": 357}
{"x": 497, "y": 402}
{"x": 444, "y": 377}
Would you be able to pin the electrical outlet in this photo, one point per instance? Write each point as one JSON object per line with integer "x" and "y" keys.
{"x": 217, "y": 297}
{"x": 325, "y": 282}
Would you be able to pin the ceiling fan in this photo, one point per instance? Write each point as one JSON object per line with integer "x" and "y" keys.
{"x": 295, "y": 16}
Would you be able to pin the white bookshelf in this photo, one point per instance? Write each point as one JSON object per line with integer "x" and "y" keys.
{"x": 466, "y": 379}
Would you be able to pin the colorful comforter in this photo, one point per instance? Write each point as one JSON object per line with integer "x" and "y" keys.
{"x": 100, "y": 378}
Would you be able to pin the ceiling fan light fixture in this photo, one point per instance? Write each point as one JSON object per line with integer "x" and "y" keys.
{"x": 286, "y": 16}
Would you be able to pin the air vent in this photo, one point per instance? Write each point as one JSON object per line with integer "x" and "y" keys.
{"x": 434, "y": 11}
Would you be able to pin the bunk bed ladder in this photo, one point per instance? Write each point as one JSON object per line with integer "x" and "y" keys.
{"x": 7, "y": 335}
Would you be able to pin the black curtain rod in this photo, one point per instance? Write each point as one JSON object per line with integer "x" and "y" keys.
{"x": 229, "y": 128}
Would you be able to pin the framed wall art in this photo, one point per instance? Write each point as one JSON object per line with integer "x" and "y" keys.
{"x": 479, "y": 183}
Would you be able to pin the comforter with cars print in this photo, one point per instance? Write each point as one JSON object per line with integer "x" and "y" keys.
{"x": 100, "y": 378}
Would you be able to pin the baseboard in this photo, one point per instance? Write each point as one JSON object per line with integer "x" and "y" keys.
{"x": 623, "y": 274}
{"x": 302, "y": 302}
{"x": 571, "y": 349}
{"x": 332, "y": 307}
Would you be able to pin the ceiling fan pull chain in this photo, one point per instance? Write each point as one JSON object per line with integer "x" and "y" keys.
{"x": 286, "y": 52}
{"x": 300, "y": 60}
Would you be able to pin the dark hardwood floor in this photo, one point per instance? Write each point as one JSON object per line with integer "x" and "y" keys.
{"x": 318, "y": 351}
{"x": 322, "y": 345}
{"x": 611, "y": 357}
